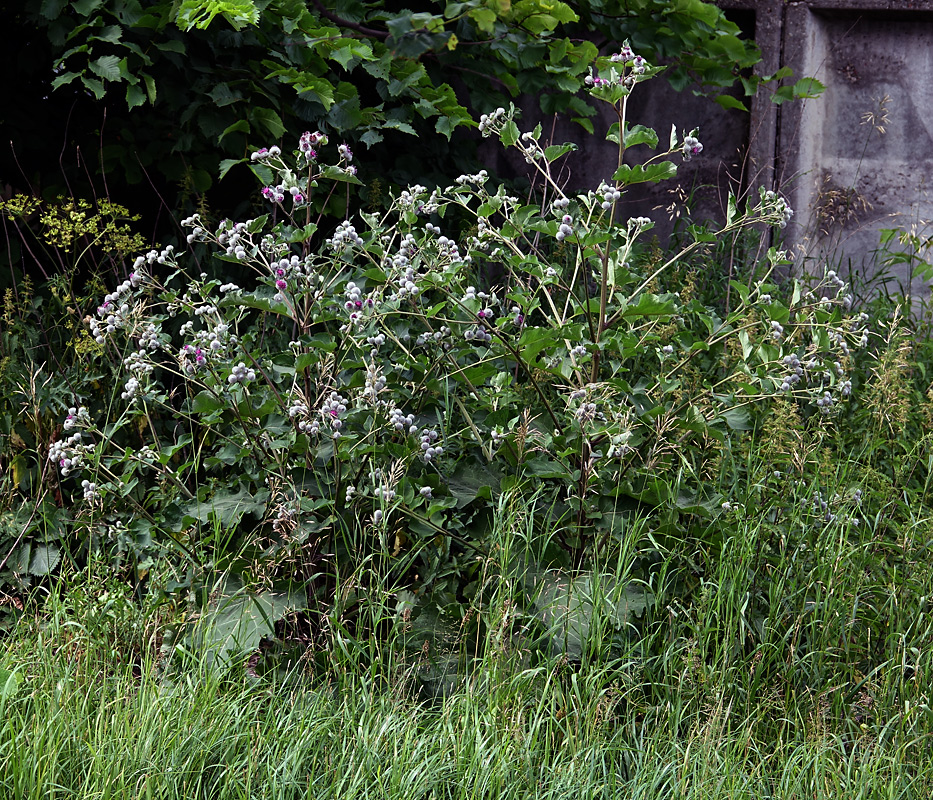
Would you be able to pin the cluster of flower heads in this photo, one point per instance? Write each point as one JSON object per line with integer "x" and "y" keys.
{"x": 529, "y": 147}
{"x": 777, "y": 205}
{"x": 565, "y": 228}
{"x": 375, "y": 383}
{"x": 191, "y": 359}
{"x": 417, "y": 198}
{"x": 241, "y": 374}
{"x": 476, "y": 180}
{"x": 266, "y": 153}
{"x": 138, "y": 365}
{"x": 491, "y": 124}
{"x": 289, "y": 185}
{"x": 332, "y": 409}
{"x": 437, "y": 337}
{"x": 69, "y": 453}
{"x": 344, "y": 237}
{"x": 407, "y": 286}
{"x": 298, "y": 410}
{"x": 691, "y": 146}
{"x": 610, "y": 195}
{"x": 792, "y": 362}
{"x": 115, "y": 312}
{"x": 356, "y": 305}
{"x": 627, "y": 68}
{"x": 619, "y": 446}
{"x": 403, "y": 423}
{"x": 429, "y": 447}
{"x": 77, "y": 418}
{"x": 233, "y": 237}
{"x": 307, "y": 143}
{"x": 477, "y": 335}
{"x": 625, "y": 54}
{"x": 277, "y": 193}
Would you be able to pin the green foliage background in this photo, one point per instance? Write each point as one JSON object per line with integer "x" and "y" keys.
{"x": 158, "y": 94}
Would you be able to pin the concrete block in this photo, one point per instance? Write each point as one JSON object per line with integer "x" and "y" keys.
{"x": 859, "y": 158}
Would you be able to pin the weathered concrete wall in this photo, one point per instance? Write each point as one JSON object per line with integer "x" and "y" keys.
{"x": 859, "y": 158}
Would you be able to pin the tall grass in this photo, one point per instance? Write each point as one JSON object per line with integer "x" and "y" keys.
{"x": 797, "y": 666}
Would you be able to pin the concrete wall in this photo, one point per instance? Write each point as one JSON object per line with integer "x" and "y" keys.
{"x": 859, "y": 159}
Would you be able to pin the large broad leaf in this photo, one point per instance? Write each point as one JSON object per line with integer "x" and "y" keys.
{"x": 227, "y": 507}
{"x": 648, "y": 173}
{"x": 45, "y": 558}
{"x": 575, "y": 612}
{"x": 639, "y": 134}
{"x": 238, "y": 621}
{"x": 648, "y": 305}
{"x": 107, "y": 67}
{"x": 471, "y": 481}
{"x": 10, "y": 681}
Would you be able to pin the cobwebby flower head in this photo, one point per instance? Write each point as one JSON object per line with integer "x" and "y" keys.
{"x": 691, "y": 147}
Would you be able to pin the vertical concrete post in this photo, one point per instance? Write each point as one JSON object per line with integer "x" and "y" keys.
{"x": 859, "y": 159}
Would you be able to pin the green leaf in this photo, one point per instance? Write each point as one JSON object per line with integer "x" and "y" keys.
{"x": 728, "y": 101}
{"x": 107, "y": 67}
{"x": 782, "y": 95}
{"x": 302, "y": 234}
{"x": 112, "y": 34}
{"x": 94, "y": 86}
{"x": 555, "y": 151}
{"x": 45, "y": 558}
{"x": 399, "y": 125}
{"x": 200, "y": 13}
{"x": 639, "y": 134}
{"x": 86, "y": 7}
{"x": 235, "y": 624}
{"x": 746, "y": 343}
{"x": 346, "y": 115}
{"x": 227, "y": 507}
{"x": 256, "y": 225}
{"x": 648, "y": 305}
{"x": 268, "y": 119}
{"x": 240, "y": 126}
{"x": 135, "y": 96}
{"x": 10, "y": 681}
{"x": 223, "y": 95}
{"x": 541, "y": 16}
{"x": 171, "y": 46}
{"x": 227, "y": 164}
{"x": 808, "y": 88}
{"x": 150, "y": 87}
{"x": 205, "y": 402}
{"x": 261, "y": 299}
{"x": 472, "y": 481}
{"x": 341, "y": 175}
{"x": 510, "y": 133}
{"x": 52, "y": 9}
{"x": 484, "y": 18}
{"x": 738, "y": 419}
{"x": 350, "y": 52}
{"x": 64, "y": 79}
{"x": 573, "y": 609}
{"x": 649, "y": 173}
{"x": 371, "y": 137}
